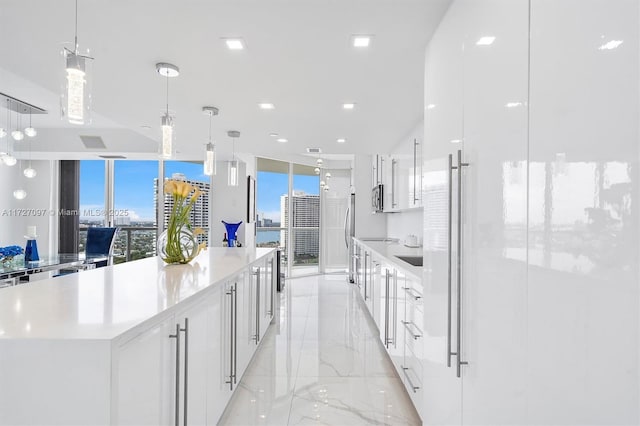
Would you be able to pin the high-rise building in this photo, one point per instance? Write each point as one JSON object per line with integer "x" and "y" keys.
{"x": 199, "y": 216}
{"x": 305, "y": 214}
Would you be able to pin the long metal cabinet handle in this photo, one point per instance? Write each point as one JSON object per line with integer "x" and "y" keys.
{"x": 393, "y": 183}
{"x": 415, "y": 152}
{"x": 395, "y": 307}
{"x": 186, "y": 368}
{"x": 257, "y": 305}
{"x": 459, "y": 267}
{"x": 271, "y": 297}
{"x": 449, "y": 259}
{"x": 408, "y": 325}
{"x": 231, "y": 338}
{"x": 366, "y": 254}
{"x": 404, "y": 370}
{"x": 346, "y": 220}
{"x": 235, "y": 332}
{"x": 386, "y": 309}
{"x": 177, "y": 396}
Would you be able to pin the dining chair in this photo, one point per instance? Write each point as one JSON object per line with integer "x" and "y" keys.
{"x": 100, "y": 242}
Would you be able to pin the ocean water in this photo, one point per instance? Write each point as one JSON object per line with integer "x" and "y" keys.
{"x": 267, "y": 236}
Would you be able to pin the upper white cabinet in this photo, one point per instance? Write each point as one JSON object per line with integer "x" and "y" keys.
{"x": 531, "y": 217}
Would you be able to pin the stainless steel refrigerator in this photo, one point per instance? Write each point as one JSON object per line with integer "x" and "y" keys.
{"x": 349, "y": 233}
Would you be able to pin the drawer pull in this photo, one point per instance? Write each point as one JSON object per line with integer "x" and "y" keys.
{"x": 408, "y": 324}
{"x": 411, "y": 293}
{"x": 413, "y": 387}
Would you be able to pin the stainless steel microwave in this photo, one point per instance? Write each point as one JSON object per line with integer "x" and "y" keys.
{"x": 377, "y": 198}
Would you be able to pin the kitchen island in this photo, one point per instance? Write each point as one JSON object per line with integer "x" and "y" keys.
{"x": 135, "y": 343}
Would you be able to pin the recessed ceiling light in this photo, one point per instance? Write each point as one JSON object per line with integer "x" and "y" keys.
{"x": 513, "y": 104}
{"x": 341, "y": 140}
{"x": 361, "y": 40}
{"x": 273, "y": 135}
{"x": 456, "y": 140}
{"x": 613, "y": 44}
{"x": 485, "y": 41}
{"x": 282, "y": 140}
{"x": 349, "y": 106}
{"x": 234, "y": 43}
{"x": 431, "y": 106}
{"x": 266, "y": 105}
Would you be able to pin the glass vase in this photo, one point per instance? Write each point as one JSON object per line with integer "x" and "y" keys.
{"x": 177, "y": 246}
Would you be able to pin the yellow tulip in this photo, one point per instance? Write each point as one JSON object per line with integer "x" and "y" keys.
{"x": 202, "y": 246}
{"x": 169, "y": 186}
{"x": 195, "y": 195}
{"x": 198, "y": 231}
{"x": 186, "y": 189}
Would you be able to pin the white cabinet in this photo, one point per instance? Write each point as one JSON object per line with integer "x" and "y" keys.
{"x": 529, "y": 269}
{"x": 413, "y": 349}
{"x": 404, "y": 176}
{"x": 145, "y": 377}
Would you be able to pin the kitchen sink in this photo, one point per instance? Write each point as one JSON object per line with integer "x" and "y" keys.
{"x": 412, "y": 260}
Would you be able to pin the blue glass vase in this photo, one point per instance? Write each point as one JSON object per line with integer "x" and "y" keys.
{"x": 232, "y": 228}
{"x": 31, "y": 251}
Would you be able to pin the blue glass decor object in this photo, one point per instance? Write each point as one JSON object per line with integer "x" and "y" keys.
{"x": 232, "y": 228}
{"x": 31, "y": 251}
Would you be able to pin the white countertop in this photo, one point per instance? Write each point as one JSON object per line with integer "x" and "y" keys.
{"x": 389, "y": 250}
{"x": 104, "y": 303}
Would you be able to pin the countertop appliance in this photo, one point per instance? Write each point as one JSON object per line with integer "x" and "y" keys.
{"x": 377, "y": 194}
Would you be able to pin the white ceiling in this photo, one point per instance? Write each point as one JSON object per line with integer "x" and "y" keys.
{"x": 298, "y": 57}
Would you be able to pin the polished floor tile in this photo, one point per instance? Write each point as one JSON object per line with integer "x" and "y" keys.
{"x": 320, "y": 363}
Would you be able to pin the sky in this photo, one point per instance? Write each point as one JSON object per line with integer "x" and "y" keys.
{"x": 133, "y": 186}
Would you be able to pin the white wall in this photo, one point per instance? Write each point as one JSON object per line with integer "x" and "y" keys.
{"x": 228, "y": 203}
{"x": 38, "y": 209}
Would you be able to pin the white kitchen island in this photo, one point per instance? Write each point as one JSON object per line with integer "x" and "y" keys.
{"x": 135, "y": 343}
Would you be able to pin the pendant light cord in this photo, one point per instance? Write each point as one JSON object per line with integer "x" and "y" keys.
{"x": 76, "y": 33}
{"x": 167, "y": 94}
{"x": 210, "y": 117}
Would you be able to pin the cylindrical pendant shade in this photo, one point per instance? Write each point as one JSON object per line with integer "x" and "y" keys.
{"x": 76, "y": 93}
{"x": 232, "y": 176}
{"x": 167, "y": 136}
{"x": 210, "y": 160}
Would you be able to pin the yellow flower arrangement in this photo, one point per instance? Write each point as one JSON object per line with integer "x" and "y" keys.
{"x": 179, "y": 243}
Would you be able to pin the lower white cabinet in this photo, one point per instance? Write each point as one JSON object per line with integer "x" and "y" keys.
{"x": 184, "y": 369}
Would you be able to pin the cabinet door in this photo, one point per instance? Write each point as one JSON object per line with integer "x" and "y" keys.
{"x": 584, "y": 213}
{"x": 493, "y": 212}
{"x": 384, "y": 314}
{"x": 443, "y": 131}
{"x": 396, "y": 319}
{"x": 265, "y": 296}
{"x": 219, "y": 349}
{"x": 245, "y": 320}
{"x": 373, "y": 289}
{"x": 196, "y": 359}
{"x": 145, "y": 377}
{"x": 413, "y": 371}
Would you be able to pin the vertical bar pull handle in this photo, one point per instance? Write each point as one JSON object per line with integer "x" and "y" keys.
{"x": 235, "y": 332}
{"x": 393, "y": 183}
{"x": 186, "y": 368}
{"x": 366, "y": 255}
{"x": 177, "y": 396}
{"x": 459, "y": 267}
{"x": 386, "y": 309}
{"x": 449, "y": 259}
{"x": 230, "y": 293}
{"x": 395, "y": 307}
{"x": 415, "y": 160}
{"x": 257, "y": 273}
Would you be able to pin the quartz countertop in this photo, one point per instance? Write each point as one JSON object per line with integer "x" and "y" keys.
{"x": 104, "y": 303}
{"x": 390, "y": 249}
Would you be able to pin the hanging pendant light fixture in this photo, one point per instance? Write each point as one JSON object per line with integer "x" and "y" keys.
{"x": 232, "y": 172}
{"x": 166, "y": 149}
{"x": 29, "y": 172}
{"x": 210, "y": 152}
{"x": 30, "y": 131}
{"x": 76, "y": 94}
{"x": 17, "y": 134}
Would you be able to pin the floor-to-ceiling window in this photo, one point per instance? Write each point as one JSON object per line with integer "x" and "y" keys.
{"x": 92, "y": 197}
{"x": 305, "y": 220}
{"x": 272, "y": 188}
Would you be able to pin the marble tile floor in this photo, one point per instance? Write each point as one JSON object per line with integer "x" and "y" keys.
{"x": 321, "y": 363}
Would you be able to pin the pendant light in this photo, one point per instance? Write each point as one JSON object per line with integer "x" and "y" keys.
{"x": 210, "y": 152}
{"x": 76, "y": 97}
{"x": 166, "y": 149}
{"x": 232, "y": 175}
{"x": 17, "y": 134}
{"x": 30, "y": 131}
{"x": 29, "y": 172}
